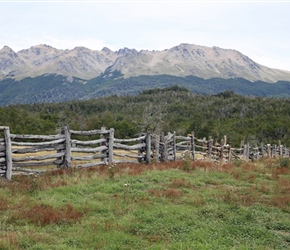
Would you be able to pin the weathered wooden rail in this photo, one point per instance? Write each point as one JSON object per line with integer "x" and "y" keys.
{"x": 172, "y": 147}
{"x": 92, "y": 152}
{"x": 71, "y": 148}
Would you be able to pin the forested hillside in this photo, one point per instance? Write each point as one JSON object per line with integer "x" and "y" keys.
{"x": 252, "y": 119}
{"x": 56, "y": 88}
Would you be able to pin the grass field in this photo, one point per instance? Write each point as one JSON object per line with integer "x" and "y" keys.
{"x": 175, "y": 205}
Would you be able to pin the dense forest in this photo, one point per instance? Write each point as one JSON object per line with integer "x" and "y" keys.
{"x": 241, "y": 118}
{"x": 51, "y": 88}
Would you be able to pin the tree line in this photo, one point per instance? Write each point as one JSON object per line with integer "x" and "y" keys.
{"x": 241, "y": 118}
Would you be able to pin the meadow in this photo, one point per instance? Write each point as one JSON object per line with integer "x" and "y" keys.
{"x": 173, "y": 205}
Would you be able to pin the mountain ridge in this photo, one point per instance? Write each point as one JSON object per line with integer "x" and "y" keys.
{"x": 46, "y": 74}
{"x": 182, "y": 60}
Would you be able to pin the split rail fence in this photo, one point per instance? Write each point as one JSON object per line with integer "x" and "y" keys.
{"x": 71, "y": 148}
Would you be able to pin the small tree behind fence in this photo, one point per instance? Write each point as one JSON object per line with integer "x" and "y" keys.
{"x": 71, "y": 148}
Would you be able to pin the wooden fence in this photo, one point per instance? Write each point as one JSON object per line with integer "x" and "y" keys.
{"x": 71, "y": 148}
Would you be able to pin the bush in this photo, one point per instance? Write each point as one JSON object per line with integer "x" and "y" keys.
{"x": 284, "y": 163}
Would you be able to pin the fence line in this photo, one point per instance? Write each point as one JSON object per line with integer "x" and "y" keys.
{"x": 71, "y": 148}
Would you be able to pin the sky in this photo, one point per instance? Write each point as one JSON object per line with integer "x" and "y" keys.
{"x": 258, "y": 29}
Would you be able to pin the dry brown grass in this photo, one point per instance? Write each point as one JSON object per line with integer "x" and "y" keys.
{"x": 170, "y": 193}
{"x": 180, "y": 183}
{"x": 44, "y": 214}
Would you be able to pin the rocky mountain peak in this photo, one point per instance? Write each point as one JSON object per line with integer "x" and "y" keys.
{"x": 7, "y": 52}
{"x": 127, "y": 51}
{"x": 182, "y": 60}
{"x": 6, "y": 49}
{"x": 106, "y": 50}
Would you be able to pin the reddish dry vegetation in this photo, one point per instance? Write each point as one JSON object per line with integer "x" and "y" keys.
{"x": 168, "y": 193}
{"x": 3, "y": 204}
{"x": 45, "y": 214}
{"x": 180, "y": 183}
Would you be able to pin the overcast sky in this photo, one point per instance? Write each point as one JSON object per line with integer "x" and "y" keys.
{"x": 258, "y": 29}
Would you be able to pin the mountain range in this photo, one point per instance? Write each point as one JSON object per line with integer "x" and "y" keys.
{"x": 46, "y": 74}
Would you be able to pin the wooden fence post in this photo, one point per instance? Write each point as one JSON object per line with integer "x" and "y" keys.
{"x": 242, "y": 146}
{"x": 230, "y": 152}
{"x": 262, "y": 150}
{"x": 247, "y": 152}
{"x": 225, "y": 140}
{"x": 111, "y": 145}
{"x": 192, "y": 145}
{"x": 204, "y": 146}
{"x": 157, "y": 147}
{"x": 222, "y": 151}
{"x": 140, "y": 150}
{"x": 148, "y": 147}
{"x": 174, "y": 146}
{"x": 274, "y": 151}
{"x": 210, "y": 144}
{"x": 163, "y": 153}
{"x": 7, "y": 139}
{"x": 269, "y": 151}
{"x": 280, "y": 149}
{"x": 103, "y": 143}
{"x": 67, "y": 155}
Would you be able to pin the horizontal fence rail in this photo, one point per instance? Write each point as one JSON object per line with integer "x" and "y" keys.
{"x": 90, "y": 152}
{"x": 26, "y": 154}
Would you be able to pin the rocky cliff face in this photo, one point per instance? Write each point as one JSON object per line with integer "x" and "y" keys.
{"x": 182, "y": 60}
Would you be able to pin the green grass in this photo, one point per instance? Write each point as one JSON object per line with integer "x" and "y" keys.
{"x": 157, "y": 206}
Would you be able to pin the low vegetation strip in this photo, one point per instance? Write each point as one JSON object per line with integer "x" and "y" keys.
{"x": 174, "y": 205}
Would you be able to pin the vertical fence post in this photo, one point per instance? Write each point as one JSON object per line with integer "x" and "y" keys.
{"x": 262, "y": 150}
{"x": 7, "y": 139}
{"x": 111, "y": 145}
{"x": 274, "y": 151}
{"x": 140, "y": 150}
{"x": 204, "y": 146}
{"x": 269, "y": 151}
{"x": 67, "y": 155}
{"x": 280, "y": 149}
{"x": 225, "y": 139}
{"x": 163, "y": 153}
{"x": 242, "y": 146}
{"x": 210, "y": 144}
{"x": 192, "y": 145}
{"x": 103, "y": 143}
{"x": 148, "y": 147}
{"x": 174, "y": 146}
{"x": 230, "y": 152}
{"x": 165, "y": 148}
{"x": 246, "y": 152}
{"x": 157, "y": 147}
{"x": 222, "y": 151}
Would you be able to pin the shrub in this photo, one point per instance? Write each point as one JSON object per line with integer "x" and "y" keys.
{"x": 284, "y": 162}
